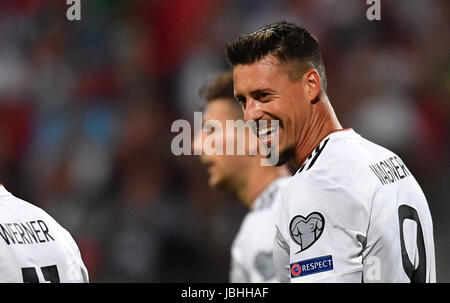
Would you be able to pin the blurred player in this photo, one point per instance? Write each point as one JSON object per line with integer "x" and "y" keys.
{"x": 353, "y": 212}
{"x": 255, "y": 185}
{"x": 34, "y": 247}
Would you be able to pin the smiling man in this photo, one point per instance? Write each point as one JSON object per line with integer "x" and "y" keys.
{"x": 353, "y": 212}
{"x": 254, "y": 184}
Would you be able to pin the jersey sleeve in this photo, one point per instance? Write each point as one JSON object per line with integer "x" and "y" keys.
{"x": 83, "y": 268}
{"x": 238, "y": 272}
{"x": 323, "y": 226}
{"x": 281, "y": 258}
{"x": 77, "y": 270}
{"x": 281, "y": 242}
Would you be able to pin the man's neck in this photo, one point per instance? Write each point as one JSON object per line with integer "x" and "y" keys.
{"x": 257, "y": 179}
{"x": 322, "y": 123}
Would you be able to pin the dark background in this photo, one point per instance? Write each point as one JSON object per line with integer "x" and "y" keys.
{"x": 86, "y": 108}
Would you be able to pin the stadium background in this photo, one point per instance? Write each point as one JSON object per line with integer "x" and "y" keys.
{"x": 86, "y": 109}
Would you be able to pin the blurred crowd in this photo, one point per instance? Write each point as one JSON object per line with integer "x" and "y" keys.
{"x": 86, "y": 109}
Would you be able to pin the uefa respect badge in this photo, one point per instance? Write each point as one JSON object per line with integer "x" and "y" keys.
{"x": 311, "y": 266}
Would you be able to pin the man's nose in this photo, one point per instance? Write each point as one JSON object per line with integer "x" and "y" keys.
{"x": 197, "y": 145}
{"x": 252, "y": 110}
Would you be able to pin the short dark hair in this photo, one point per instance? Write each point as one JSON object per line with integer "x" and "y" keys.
{"x": 221, "y": 87}
{"x": 286, "y": 41}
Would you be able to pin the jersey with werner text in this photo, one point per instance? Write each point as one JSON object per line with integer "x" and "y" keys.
{"x": 353, "y": 212}
{"x": 252, "y": 249}
{"x": 34, "y": 247}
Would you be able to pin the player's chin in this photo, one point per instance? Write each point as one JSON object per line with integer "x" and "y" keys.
{"x": 216, "y": 181}
{"x": 278, "y": 155}
{"x": 284, "y": 156}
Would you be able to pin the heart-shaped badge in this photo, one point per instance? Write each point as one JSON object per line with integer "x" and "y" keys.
{"x": 306, "y": 231}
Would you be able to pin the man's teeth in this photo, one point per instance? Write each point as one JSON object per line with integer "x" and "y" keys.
{"x": 266, "y": 131}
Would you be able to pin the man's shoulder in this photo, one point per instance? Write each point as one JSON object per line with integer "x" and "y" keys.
{"x": 339, "y": 157}
{"x": 340, "y": 165}
{"x": 257, "y": 221}
{"x": 267, "y": 201}
{"x": 261, "y": 218}
{"x": 17, "y": 210}
{"x": 23, "y": 208}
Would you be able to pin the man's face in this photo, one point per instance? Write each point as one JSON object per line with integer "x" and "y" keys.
{"x": 267, "y": 93}
{"x": 222, "y": 169}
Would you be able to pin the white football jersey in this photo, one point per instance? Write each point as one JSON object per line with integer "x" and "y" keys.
{"x": 353, "y": 212}
{"x": 252, "y": 249}
{"x": 34, "y": 247}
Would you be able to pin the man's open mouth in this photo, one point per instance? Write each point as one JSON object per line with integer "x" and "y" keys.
{"x": 266, "y": 131}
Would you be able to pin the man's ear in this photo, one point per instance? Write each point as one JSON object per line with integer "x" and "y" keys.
{"x": 313, "y": 85}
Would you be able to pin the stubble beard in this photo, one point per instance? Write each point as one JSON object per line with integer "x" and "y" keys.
{"x": 285, "y": 156}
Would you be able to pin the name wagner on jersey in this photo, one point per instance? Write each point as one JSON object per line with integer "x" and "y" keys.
{"x": 390, "y": 170}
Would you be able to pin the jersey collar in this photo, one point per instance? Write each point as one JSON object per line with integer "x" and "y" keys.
{"x": 318, "y": 149}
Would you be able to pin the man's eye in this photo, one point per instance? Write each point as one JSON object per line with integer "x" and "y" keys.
{"x": 263, "y": 95}
{"x": 242, "y": 101}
